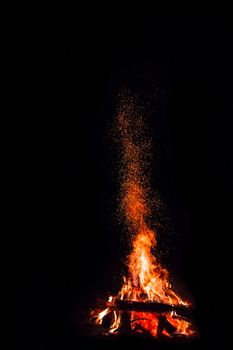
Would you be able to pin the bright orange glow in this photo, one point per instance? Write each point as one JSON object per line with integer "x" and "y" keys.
{"x": 147, "y": 280}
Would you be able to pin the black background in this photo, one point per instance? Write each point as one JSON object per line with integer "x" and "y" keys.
{"x": 69, "y": 247}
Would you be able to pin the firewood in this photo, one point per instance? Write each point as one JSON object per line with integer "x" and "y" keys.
{"x": 156, "y": 307}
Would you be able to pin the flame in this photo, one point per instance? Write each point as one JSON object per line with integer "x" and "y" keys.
{"x": 147, "y": 280}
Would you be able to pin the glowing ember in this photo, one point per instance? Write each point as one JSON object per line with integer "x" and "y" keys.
{"x": 147, "y": 280}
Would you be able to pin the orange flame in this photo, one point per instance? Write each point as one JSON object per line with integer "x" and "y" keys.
{"x": 147, "y": 280}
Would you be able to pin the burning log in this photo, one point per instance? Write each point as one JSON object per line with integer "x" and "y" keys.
{"x": 165, "y": 325}
{"x": 125, "y": 305}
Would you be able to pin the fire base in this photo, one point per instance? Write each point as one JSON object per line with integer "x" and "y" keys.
{"x": 143, "y": 319}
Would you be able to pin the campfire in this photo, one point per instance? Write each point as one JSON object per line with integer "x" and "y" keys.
{"x": 146, "y": 303}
